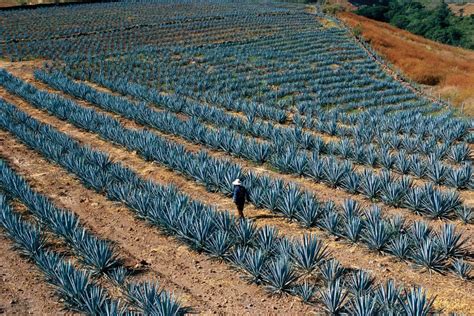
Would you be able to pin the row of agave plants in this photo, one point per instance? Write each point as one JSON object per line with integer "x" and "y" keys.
{"x": 404, "y": 162}
{"x": 75, "y": 286}
{"x": 391, "y": 191}
{"x": 133, "y": 63}
{"x": 421, "y": 245}
{"x": 97, "y": 255}
{"x": 163, "y": 27}
{"x": 299, "y": 267}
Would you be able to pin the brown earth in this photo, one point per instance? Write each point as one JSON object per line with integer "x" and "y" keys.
{"x": 448, "y": 71}
{"x": 452, "y": 294}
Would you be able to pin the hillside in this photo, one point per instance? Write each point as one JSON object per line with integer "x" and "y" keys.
{"x": 133, "y": 133}
{"x": 444, "y": 70}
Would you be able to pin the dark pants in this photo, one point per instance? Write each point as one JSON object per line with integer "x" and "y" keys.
{"x": 240, "y": 209}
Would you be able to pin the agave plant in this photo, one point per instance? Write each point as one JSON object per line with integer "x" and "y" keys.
{"x": 376, "y": 235}
{"x": 266, "y": 239}
{"x": 360, "y": 283}
{"x": 334, "y": 171}
{"x": 465, "y": 214}
{"x": 416, "y": 303}
{"x": 254, "y": 265}
{"x": 331, "y": 222}
{"x": 460, "y": 153}
{"x": 353, "y": 229}
{"x": 400, "y": 247}
{"x": 364, "y": 305}
{"x": 331, "y": 270}
{"x": 393, "y": 194}
{"x": 333, "y": 298}
{"x": 309, "y": 212}
{"x": 389, "y": 297}
{"x": 305, "y": 291}
{"x": 449, "y": 241}
{"x": 219, "y": 243}
{"x": 308, "y": 254}
{"x": 440, "y": 204}
{"x": 428, "y": 256}
{"x": 245, "y": 232}
{"x": 462, "y": 268}
{"x": 351, "y": 182}
{"x": 370, "y": 185}
{"x": 279, "y": 276}
{"x": 289, "y": 203}
{"x": 414, "y": 199}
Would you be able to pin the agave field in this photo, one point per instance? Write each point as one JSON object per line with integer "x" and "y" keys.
{"x": 124, "y": 124}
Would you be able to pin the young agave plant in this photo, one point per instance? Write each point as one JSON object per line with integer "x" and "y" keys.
{"x": 351, "y": 183}
{"x": 428, "y": 256}
{"x": 331, "y": 270}
{"x": 304, "y": 291}
{"x": 460, "y": 153}
{"x": 462, "y": 268}
{"x": 449, "y": 241}
{"x": 416, "y": 303}
{"x": 334, "y": 297}
{"x": 254, "y": 265}
{"x": 266, "y": 239}
{"x": 279, "y": 276}
{"x": 245, "y": 232}
{"x": 353, "y": 229}
{"x": 360, "y": 283}
{"x": 364, "y": 305}
{"x": 388, "y": 298}
{"x": 309, "y": 253}
{"x": 310, "y": 211}
{"x": 370, "y": 185}
{"x": 219, "y": 244}
{"x": 400, "y": 247}
{"x": 465, "y": 214}
{"x": 376, "y": 235}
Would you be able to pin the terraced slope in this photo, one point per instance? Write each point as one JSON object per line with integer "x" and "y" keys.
{"x": 135, "y": 118}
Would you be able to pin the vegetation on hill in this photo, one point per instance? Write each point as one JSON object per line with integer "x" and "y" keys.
{"x": 449, "y": 70}
{"x": 438, "y": 23}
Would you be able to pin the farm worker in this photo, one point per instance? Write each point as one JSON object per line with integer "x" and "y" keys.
{"x": 239, "y": 195}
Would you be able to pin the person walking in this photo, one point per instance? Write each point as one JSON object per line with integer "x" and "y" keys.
{"x": 240, "y": 195}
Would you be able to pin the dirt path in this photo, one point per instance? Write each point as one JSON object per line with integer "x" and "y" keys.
{"x": 22, "y": 288}
{"x": 452, "y": 294}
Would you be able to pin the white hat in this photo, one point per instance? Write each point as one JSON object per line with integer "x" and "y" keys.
{"x": 237, "y": 182}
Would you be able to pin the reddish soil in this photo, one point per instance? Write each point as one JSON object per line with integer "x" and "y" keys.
{"x": 176, "y": 267}
{"x": 447, "y": 69}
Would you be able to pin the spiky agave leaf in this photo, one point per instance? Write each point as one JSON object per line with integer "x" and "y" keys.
{"x": 305, "y": 291}
{"x": 279, "y": 276}
{"x": 465, "y": 213}
{"x": 360, "y": 283}
{"x": 309, "y": 253}
{"x": 219, "y": 243}
{"x": 334, "y": 297}
{"x": 400, "y": 247}
{"x": 462, "y": 268}
{"x": 449, "y": 241}
{"x": 388, "y": 298}
{"x": 427, "y": 255}
{"x": 364, "y": 305}
{"x": 331, "y": 270}
{"x": 415, "y": 303}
